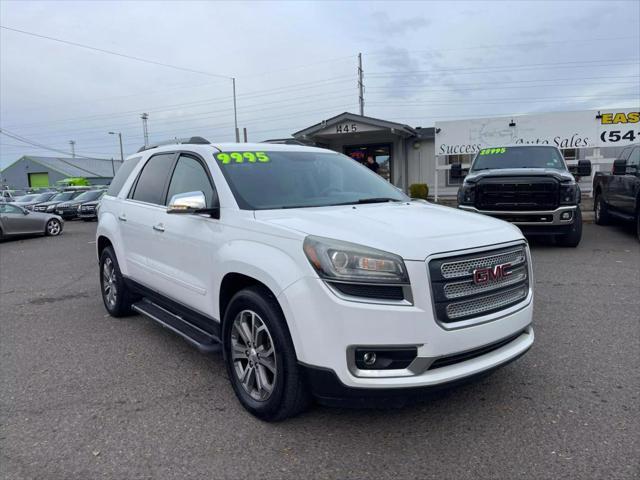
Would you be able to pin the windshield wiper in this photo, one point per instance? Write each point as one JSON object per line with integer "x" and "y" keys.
{"x": 377, "y": 200}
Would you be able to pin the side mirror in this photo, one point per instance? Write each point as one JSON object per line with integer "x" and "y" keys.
{"x": 191, "y": 202}
{"x": 619, "y": 167}
{"x": 456, "y": 170}
{"x": 25, "y": 211}
{"x": 584, "y": 168}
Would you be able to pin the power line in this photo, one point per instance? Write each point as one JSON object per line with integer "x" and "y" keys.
{"x": 505, "y": 45}
{"x": 44, "y": 147}
{"x": 118, "y": 54}
{"x": 526, "y": 66}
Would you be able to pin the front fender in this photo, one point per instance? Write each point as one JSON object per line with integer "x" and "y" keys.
{"x": 276, "y": 267}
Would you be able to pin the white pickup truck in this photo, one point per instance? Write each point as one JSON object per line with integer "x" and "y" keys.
{"x": 314, "y": 276}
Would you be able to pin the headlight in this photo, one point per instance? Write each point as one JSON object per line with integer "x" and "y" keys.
{"x": 51, "y": 208}
{"x": 348, "y": 262}
{"x": 569, "y": 194}
{"x": 467, "y": 194}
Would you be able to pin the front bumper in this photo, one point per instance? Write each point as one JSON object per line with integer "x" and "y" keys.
{"x": 533, "y": 218}
{"x": 326, "y": 329}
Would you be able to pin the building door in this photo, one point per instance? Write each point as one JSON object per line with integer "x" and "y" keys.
{"x": 38, "y": 180}
{"x": 381, "y": 153}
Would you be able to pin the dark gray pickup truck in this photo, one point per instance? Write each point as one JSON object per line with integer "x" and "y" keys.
{"x": 527, "y": 185}
{"x": 617, "y": 194}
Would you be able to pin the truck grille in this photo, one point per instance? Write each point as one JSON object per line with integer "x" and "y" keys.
{"x": 459, "y": 296}
{"x": 518, "y": 194}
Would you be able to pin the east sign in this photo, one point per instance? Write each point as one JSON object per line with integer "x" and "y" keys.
{"x": 589, "y": 128}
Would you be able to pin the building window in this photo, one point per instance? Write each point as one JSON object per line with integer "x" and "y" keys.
{"x": 570, "y": 153}
{"x": 462, "y": 159}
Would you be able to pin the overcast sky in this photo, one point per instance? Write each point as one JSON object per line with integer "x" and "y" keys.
{"x": 295, "y": 64}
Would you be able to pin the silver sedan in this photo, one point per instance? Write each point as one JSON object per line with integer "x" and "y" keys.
{"x": 15, "y": 220}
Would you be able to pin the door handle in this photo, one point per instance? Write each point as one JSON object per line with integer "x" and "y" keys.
{"x": 159, "y": 227}
{"x": 122, "y": 217}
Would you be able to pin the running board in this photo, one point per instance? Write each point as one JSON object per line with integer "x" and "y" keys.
{"x": 202, "y": 340}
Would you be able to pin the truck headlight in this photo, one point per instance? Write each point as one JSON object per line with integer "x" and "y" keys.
{"x": 343, "y": 261}
{"x": 467, "y": 194}
{"x": 569, "y": 194}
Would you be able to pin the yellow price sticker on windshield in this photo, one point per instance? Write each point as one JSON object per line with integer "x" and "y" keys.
{"x": 492, "y": 151}
{"x": 242, "y": 157}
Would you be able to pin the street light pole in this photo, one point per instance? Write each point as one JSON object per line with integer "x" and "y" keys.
{"x": 121, "y": 151}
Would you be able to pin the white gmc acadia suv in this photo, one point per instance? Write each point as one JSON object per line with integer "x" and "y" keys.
{"x": 316, "y": 277}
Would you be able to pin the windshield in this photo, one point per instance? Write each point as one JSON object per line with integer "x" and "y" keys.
{"x": 27, "y": 198}
{"x": 89, "y": 196}
{"x": 269, "y": 180}
{"x": 61, "y": 197}
{"x": 43, "y": 197}
{"x": 518, "y": 157}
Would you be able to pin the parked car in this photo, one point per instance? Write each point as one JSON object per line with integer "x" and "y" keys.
{"x": 70, "y": 209}
{"x": 15, "y": 220}
{"x": 11, "y": 195}
{"x": 60, "y": 197}
{"x": 35, "y": 199}
{"x": 617, "y": 195}
{"x": 527, "y": 185}
{"x": 88, "y": 211}
{"x": 314, "y": 275}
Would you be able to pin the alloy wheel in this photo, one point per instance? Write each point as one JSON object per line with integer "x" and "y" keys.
{"x": 53, "y": 227}
{"x": 253, "y": 355}
{"x": 109, "y": 287}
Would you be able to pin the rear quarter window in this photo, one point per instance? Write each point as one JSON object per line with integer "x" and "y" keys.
{"x": 121, "y": 175}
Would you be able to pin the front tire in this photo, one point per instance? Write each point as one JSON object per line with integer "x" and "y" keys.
{"x": 574, "y": 235}
{"x": 601, "y": 213}
{"x": 53, "y": 228}
{"x": 116, "y": 296}
{"x": 260, "y": 358}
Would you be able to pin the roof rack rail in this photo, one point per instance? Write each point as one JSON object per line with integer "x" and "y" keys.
{"x": 183, "y": 141}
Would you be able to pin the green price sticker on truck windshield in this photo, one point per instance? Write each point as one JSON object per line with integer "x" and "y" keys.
{"x": 242, "y": 157}
{"x": 493, "y": 151}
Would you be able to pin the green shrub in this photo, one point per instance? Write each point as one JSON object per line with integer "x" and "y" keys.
{"x": 419, "y": 190}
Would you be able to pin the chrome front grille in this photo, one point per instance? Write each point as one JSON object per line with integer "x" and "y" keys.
{"x": 461, "y": 293}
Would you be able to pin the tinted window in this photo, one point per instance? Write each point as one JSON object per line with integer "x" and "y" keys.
{"x": 89, "y": 196}
{"x": 63, "y": 197}
{"x": 634, "y": 161}
{"x": 297, "y": 179}
{"x": 152, "y": 180}
{"x": 625, "y": 153}
{"x": 8, "y": 208}
{"x": 121, "y": 176}
{"x": 190, "y": 176}
{"x": 518, "y": 157}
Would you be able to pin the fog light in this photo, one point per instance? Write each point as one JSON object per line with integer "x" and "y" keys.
{"x": 369, "y": 358}
{"x": 565, "y": 216}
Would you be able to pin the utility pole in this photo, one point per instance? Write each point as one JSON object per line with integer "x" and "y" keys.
{"x": 121, "y": 151}
{"x": 360, "y": 85}
{"x": 145, "y": 128}
{"x": 73, "y": 148}
{"x": 235, "y": 111}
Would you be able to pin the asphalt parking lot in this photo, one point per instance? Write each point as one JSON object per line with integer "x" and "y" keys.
{"x": 86, "y": 396}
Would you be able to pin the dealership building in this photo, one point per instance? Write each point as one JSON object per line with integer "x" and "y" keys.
{"x": 31, "y": 171}
{"x": 408, "y": 155}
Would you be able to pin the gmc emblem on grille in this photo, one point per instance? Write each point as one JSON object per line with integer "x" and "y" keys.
{"x": 484, "y": 275}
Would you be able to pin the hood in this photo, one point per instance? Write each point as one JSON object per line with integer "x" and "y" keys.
{"x": 92, "y": 202}
{"x": 560, "y": 175}
{"x": 46, "y": 204}
{"x": 413, "y": 230}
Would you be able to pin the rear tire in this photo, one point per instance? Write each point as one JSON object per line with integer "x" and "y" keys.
{"x": 116, "y": 296}
{"x": 572, "y": 238}
{"x": 601, "y": 213}
{"x": 269, "y": 385}
{"x": 53, "y": 228}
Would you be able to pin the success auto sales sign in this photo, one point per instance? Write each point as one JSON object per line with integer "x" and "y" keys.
{"x": 589, "y": 128}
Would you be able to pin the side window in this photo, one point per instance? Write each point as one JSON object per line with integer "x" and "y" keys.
{"x": 6, "y": 208}
{"x": 633, "y": 164}
{"x": 150, "y": 185}
{"x": 121, "y": 175}
{"x": 625, "y": 153}
{"x": 190, "y": 176}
